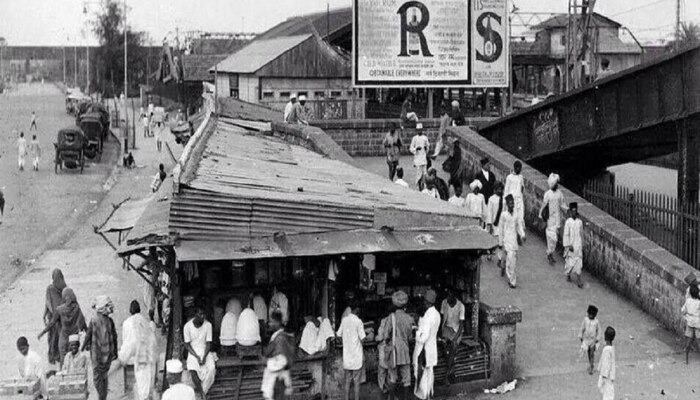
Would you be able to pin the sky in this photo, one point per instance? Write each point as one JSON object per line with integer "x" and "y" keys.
{"x": 60, "y": 22}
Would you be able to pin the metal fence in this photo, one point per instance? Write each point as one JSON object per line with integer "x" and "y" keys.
{"x": 661, "y": 218}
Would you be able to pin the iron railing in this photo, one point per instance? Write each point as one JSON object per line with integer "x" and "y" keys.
{"x": 659, "y": 217}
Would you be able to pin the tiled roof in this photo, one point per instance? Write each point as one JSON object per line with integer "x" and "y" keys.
{"x": 196, "y": 67}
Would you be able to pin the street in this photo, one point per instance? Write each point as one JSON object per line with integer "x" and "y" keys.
{"x": 42, "y": 209}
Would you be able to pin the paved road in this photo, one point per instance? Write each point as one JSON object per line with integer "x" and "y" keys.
{"x": 42, "y": 208}
{"x": 648, "y": 356}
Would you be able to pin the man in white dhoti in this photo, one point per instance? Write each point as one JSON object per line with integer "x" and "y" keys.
{"x": 139, "y": 350}
{"x": 551, "y": 212}
{"x": 200, "y": 361}
{"x": 606, "y": 368}
{"x": 573, "y": 245}
{"x": 425, "y": 354}
{"x": 514, "y": 187}
{"x": 177, "y": 389}
{"x": 419, "y": 148}
{"x": 494, "y": 210}
{"x": 510, "y": 234}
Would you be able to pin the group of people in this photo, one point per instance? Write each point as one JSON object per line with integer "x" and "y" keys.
{"x": 31, "y": 149}
{"x": 295, "y": 110}
{"x": 152, "y": 126}
{"x": 66, "y": 327}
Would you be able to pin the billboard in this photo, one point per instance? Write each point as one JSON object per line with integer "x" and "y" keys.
{"x": 430, "y": 43}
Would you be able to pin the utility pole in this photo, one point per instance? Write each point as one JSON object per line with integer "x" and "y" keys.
{"x": 126, "y": 85}
{"x": 678, "y": 25}
{"x": 75, "y": 64}
{"x": 64, "y": 64}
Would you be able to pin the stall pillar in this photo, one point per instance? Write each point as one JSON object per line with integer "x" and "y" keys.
{"x": 497, "y": 329}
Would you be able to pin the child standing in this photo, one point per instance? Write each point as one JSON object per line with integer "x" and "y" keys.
{"x": 606, "y": 368}
{"x": 352, "y": 332}
{"x": 589, "y": 335}
{"x": 691, "y": 313}
{"x": 35, "y": 151}
{"x": 494, "y": 210}
{"x": 573, "y": 245}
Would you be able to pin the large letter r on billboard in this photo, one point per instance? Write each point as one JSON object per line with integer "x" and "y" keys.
{"x": 416, "y": 28}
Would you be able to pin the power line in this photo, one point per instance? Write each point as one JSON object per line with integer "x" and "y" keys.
{"x": 640, "y": 7}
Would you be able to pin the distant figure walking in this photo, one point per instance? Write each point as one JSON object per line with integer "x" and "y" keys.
{"x": 35, "y": 152}
{"x": 159, "y": 134}
{"x": 2, "y": 205}
{"x": 33, "y": 123}
{"x": 392, "y": 145}
{"x": 606, "y": 368}
{"x": 551, "y": 213}
{"x": 691, "y": 313}
{"x": 21, "y": 150}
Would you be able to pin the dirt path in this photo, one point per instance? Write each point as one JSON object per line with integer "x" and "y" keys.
{"x": 42, "y": 208}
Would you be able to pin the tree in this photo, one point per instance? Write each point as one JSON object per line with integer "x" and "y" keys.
{"x": 690, "y": 33}
{"x": 109, "y": 26}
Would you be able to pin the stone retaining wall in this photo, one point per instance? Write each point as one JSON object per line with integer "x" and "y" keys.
{"x": 364, "y": 137}
{"x": 627, "y": 261}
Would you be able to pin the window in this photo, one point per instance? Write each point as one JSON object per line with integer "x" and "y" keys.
{"x": 233, "y": 81}
{"x": 285, "y": 95}
{"x": 305, "y": 94}
{"x": 336, "y": 94}
{"x": 350, "y": 93}
{"x": 319, "y": 95}
{"x": 234, "y": 93}
{"x": 268, "y": 95}
{"x": 563, "y": 40}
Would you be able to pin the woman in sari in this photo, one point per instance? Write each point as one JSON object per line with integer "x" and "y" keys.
{"x": 54, "y": 299}
{"x": 69, "y": 319}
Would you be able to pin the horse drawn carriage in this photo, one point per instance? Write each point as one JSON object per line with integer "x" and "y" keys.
{"x": 70, "y": 149}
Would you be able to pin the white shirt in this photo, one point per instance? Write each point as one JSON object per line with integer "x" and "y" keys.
{"x": 229, "y": 324}
{"x": 509, "y": 228}
{"x": 453, "y": 316}
{"x": 352, "y": 331}
{"x": 197, "y": 338}
{"x": 22, "y": 146}
{"x": 457, "y": 201}
{"x": 514, "y": 186}
{"x": 426, "y": 336}
{"x": 607, "y": 363}
{"x": 476, "y": 205}
{"x": 419, "y": 148}
{"x": 401, "y": 182}
{"x": 31, "y": 365}
{"x": 432, "y": 193}
{"x": 309, "y": 338}
{"x": 280, "y": 302}
{"x": 260, "y": 308}
{"x": 248, "y": 328}
{"x": 486, "y": 173}
{"x": 179, "y": 391}
{"x": 130, "y": 334}
{"x": 287, "y": 110}
{"x": 555, "y": 199}
{"x": 691, "y": 312}
{"x": 492, "y": 208}
{"x": 573, "y": 230}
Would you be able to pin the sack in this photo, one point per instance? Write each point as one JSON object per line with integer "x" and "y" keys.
{"x": 545, "y": 213}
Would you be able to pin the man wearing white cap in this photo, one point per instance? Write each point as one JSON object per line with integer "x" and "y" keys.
{"x": 296, "y": 116}
{"x": 177, "y": 389}
{"x": 476, "y": 203}
{"x": 456, "y": 115}
{"x": 551, "y": 212}
{"x": 289, "y": 106}
{"x": 75, "y": 362}
{"x": 419, "y": 148}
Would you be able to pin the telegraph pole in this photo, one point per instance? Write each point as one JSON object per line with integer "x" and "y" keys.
{"x": 678, "y": 25}
{"x": 126, "y": 85}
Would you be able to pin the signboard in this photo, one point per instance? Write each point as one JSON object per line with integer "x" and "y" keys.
{"x": 430, "y": 43}
{"x": 545, "y": 130}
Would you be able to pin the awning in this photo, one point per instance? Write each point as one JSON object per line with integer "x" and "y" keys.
{"x": 339, "y": 242}
{"x": 151, "y": 229}
{"x": 125, "y": 215}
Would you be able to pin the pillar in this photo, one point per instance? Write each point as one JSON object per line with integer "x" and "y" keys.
{"x": 497, "y": 329}
{"x": 688, "y": 165}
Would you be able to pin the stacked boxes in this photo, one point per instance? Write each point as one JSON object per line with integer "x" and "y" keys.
{"x": 68, "y": 387}
{"x": 20, "y": 389}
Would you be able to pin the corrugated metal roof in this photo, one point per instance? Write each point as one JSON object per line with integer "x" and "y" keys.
{"x": 126, "y": 216}
{"x": 238, "y": 185}
{"x": 323, "y": 22}
{"x": 609, "y": 43}
{"x": 562, "y": 21}
{"x": 363, "y": 241}
{"x": 258, "y": 53}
